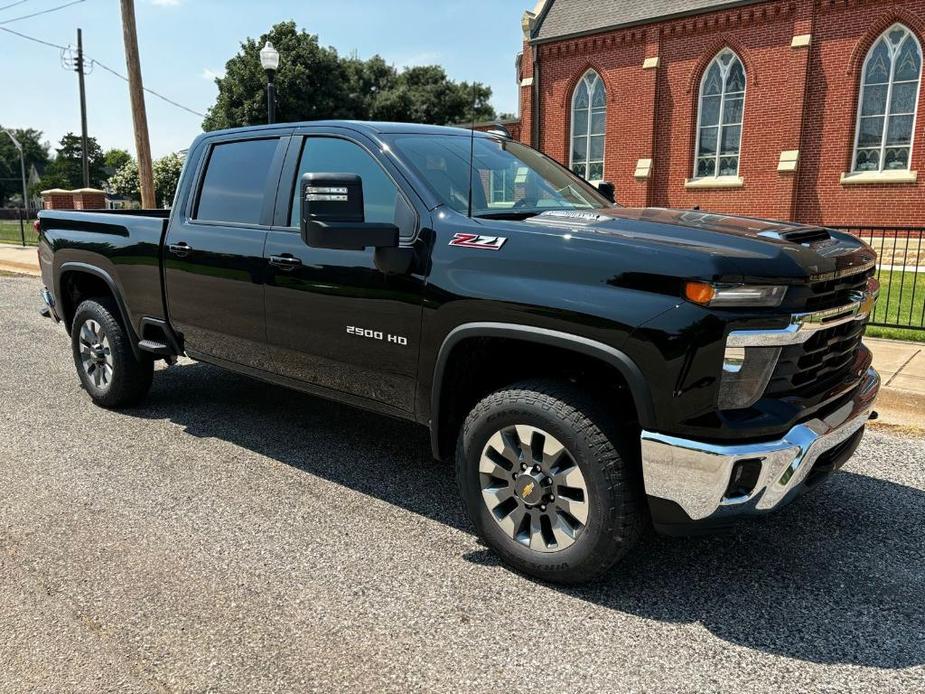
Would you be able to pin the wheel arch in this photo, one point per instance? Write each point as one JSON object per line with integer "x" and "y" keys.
{"x": 593, "y": 349}
{"x": 71, "y": 269}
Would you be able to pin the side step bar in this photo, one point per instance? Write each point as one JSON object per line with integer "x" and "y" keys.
{"x": 158, "y": 348}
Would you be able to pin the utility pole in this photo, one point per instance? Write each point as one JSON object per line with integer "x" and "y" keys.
{"x": 79, "y": 69}
{"x": 139, "y": 115}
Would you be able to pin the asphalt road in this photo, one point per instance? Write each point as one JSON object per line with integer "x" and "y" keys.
{"x": 230, "y": 535}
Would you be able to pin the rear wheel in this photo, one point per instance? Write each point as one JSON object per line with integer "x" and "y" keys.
{"x": 108, "y": 368}
{"x": 549, "y": 482}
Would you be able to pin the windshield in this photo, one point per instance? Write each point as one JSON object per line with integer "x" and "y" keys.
{"x": 509, "y": 179}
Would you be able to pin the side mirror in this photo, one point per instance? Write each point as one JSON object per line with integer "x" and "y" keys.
{"x": 332, "y": 214}
{"x": 608, "y": 190}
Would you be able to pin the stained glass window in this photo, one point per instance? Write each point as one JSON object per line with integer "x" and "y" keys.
{"x": 888, "y": 99}
{"x": 721, "y": 109}
{"x": 589, "y": 115}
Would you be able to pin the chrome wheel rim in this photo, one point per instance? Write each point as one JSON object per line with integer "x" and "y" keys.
{"x": 95, "y": 353}
{"x": 533, "y": 488}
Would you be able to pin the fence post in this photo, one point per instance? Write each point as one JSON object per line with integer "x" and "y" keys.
{"x": 22, "y": 227}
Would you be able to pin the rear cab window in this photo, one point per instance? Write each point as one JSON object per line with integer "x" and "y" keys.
{"x": 233, "y": 187}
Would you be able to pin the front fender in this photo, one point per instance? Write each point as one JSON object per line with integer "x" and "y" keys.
{"x": 639, "y": 388}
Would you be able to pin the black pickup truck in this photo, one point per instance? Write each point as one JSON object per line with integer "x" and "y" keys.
{"x": 592, "y": 368}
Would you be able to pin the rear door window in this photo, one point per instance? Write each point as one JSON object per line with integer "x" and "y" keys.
{"x": 235, "y": 181}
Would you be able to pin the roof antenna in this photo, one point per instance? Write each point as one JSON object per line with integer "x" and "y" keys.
{"x": 472, "y": 146}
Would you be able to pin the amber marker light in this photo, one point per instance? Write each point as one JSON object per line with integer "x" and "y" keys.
{"x": 699, "y": 292}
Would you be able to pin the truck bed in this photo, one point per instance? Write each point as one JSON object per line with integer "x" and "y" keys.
{"x": 123, "y": 247}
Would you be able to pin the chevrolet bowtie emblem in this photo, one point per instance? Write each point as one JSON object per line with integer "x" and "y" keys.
{"x": 528, "y": 489}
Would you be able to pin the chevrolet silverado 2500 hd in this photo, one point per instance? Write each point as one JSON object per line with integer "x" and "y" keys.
{"x": 591, "y": 368}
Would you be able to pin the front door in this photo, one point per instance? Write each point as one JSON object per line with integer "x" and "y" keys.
{"x": 214, "y": 270}
{"x": 334, "y": 319}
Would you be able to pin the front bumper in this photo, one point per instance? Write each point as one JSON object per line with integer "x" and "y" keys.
{"x": 688, "y": 482}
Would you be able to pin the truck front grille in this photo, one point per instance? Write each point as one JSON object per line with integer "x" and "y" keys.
{"x": 831, "y": 293}
{"x": 819, "y": 364}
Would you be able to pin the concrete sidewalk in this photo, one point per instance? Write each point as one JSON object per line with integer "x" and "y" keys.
{"x": 902, "y": 395}
{"x": 901, "y": 364}
{"x": 23, "y": 261}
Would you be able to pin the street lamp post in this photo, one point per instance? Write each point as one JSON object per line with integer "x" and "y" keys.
{"x": 269, "y": 59}
{"x": 25, "y": 192}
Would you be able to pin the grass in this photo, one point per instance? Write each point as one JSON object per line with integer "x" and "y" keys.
{"x": 9, "y": 232}
{"x": 902, "y": 301}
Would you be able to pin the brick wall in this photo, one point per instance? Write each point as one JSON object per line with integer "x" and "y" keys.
{"x": 799, "y": 97}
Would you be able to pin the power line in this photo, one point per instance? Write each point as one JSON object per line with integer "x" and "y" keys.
{"x": 105, "y": 67}
{"x": 150, "y": 91}
{"x": 35, "y": 40}
{"x": 13, "y": 4}
{"x": 37, "y": 14}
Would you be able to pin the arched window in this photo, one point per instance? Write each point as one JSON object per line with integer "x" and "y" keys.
{"x": 719, "y": 117}
{"x": 589, "y": 114}
{"x": 887, "y": 103}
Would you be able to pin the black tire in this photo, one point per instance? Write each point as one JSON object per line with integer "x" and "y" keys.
{"x": 605, "y": 456}
{"x": 124, "y": 379}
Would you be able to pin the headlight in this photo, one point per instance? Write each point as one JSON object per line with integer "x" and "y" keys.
{"x": 732, "y": 295}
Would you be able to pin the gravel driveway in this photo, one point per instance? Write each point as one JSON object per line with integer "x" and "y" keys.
{"x": 231, "y": 535}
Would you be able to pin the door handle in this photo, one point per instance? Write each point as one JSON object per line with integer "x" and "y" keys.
{"x": 181, "y": 249}
{"x": 285, "y": 261}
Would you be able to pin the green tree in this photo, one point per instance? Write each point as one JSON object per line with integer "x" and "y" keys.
{"x": 66, "y": 170}
{"x": 114, "y": 159}
{"x": 35, "y": 153}
{"x": 311, "y": 82}
{"x": 125, "y": 180}
{"x": 314, "y": 83}
{"x": 424, "y": 94}
{"x": 167, "y": 171}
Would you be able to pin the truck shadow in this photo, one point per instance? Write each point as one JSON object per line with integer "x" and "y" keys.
{"x": 839, "y": 577}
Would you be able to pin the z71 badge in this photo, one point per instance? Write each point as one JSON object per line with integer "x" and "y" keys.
{"x": 488, "y": 243}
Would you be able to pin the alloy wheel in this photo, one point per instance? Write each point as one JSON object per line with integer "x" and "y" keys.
{"x": 95, "y": 353}
{"x": 533, "y": 488}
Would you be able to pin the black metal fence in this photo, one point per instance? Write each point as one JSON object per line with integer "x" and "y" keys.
{"x": 16, "y": 226}
{"x": 901, "y": 271}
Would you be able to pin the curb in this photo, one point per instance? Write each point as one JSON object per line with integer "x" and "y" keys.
{"x": 20, "y": 268}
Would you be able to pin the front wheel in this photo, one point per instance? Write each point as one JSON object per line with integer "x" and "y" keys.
{"x": 108, "y": 368}
{"x": 548, "y": 481}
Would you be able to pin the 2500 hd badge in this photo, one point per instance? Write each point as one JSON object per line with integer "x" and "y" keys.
{"x": 377, "y": 335}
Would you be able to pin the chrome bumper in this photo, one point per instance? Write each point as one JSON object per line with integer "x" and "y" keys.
{"x": 696, "y": 476}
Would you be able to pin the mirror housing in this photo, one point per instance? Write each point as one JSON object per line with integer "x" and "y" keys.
{"x": 332, "y": 214}
{"x": 608, "y": 190}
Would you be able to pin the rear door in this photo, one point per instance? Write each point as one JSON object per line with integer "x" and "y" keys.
{"x": 334, "y": 319}
{"x": 214, "y": 270}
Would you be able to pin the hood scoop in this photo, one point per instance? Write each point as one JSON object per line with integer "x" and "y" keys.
{"x": 804, "y": 237}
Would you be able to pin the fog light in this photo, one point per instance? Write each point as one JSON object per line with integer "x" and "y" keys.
{"x": 746, "y": 373}
{"x": 744, "y": 478}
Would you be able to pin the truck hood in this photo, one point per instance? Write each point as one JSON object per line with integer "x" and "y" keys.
{"x": 749, "y": 247}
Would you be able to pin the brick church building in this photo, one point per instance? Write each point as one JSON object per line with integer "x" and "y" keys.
{"x": 795, "y": 109}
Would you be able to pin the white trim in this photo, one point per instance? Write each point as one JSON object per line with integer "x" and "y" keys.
{"x": 715, "y": 182}
{"x": 789, "y": 160}
{"x": 651, "y": 63}
{"x": 889, "y": 99}
{"x": 571, "y": 139}
{"x": 526, "y": 82}
{"x": 801, "y": 41}
{"x": 888, "y": 176}
{"x": 643, "y": 169}
{"x": 719, "y": 122}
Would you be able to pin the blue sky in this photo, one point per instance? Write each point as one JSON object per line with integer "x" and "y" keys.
{"x": 183, "y": 42}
